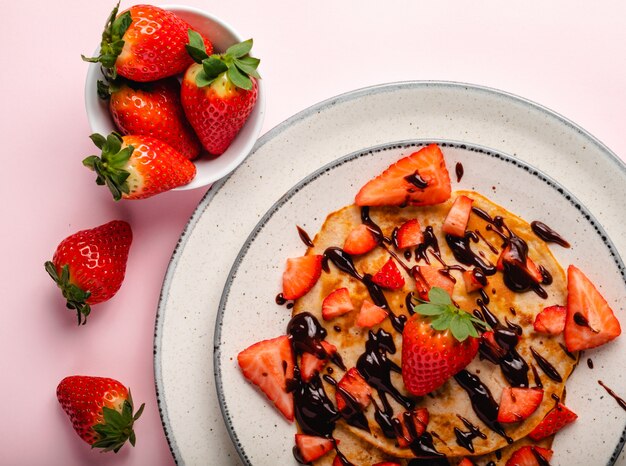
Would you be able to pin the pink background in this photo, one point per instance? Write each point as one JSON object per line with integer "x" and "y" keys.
{"x": 566, "y": 57}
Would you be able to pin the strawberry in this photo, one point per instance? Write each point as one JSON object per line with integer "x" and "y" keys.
{"x": 458, "y": 216}
{"x": 356, "y": 387}
{"x": 509, "y": 258}
{"x": 589, "y": 322}
{"x": 89, "y": 266}
{"x": 144, "y": 43}
{"x": 101, "y": 410}
{"x": 370, "y": 314}
{"x": 409, "y": 234}
{"x": 551, "y": 320}
{"x": 554, "y": 421}
{"x": 490, "y": 347}
{"x": 137, "y": 167}
{"x": 389, "y": 276}
{"x": 359, "y": 241}
{"x": 310, "y": 365}
{"x": 311, "y": 448}
{"x": 151, "y": 109}
{"x": 219, "y": 92}
{"x": 336, "y": 304}
{"x": 419, "y": 179}
{"x": 466, "y": 462}
{"x": 471, "y": 282}
{"x": 300, "y": 274}
{"x": 433, "y": 278}
{"x": 269, "y": 364}
{"x": 518, "y": 404}
{"x": 530, "y": 455}
{"x": 437, "y": 342}
{"x": 405, "y": 434}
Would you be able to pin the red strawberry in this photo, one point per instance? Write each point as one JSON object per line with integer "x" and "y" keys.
{"x": 490, "y": 346}
{"x": 300, "y": 275}
{"x": 336, "y": 304}
{"x": 433, "y": 278}
{"x": 551, "y": 320}
{"x": 466, "y": 462}
{"x": 359, "y": 241}
{"x": 508, "y": 257}
{"x": 554, "y": 421}
{"x": 370, "y": 314}
{"x": 101, "y": 410}
{"x": 518, "y": 404}
{"x": 529, "y": 456}
{"x": 355, "y": 386}
{"x": 405, "y": 432}
{"x": 144, "y": 43}
{"x": 458, "y": 216}
{"x": 409, "y": 234}
{"x": 151, "y": 109}
{"x": 89, "y": 266}
{"x": 219, "y": 92}
{"x": 389, "y": 276}
{"x": 472, "y": 283}
{"x": 419, "y": 179}
{"x": 310, "y": 365}
{"x": 311, "y": 448}
{"x": 590, "y": 322}
{"x": 269, "y": 364}
{"x": 136, "y": 167}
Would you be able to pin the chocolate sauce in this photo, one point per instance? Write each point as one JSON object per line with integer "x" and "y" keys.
{"x": 341, "y": 457}
{"x": 384, "y": 418}
{"x": 567, "y": 353}
{"x": 546, "y": 367}
{"x": 546, "y": 277}
{"x": 538, "y": 383}
{"x": 582, "y": 321}
{"x": 352, "y": 412}
{"x": 547, "y": 234}
{"x": 479, "y": 275}
{"x": 458, "y": 168}
{"x": 482, "y": 214}
{"x": 424, "y": 450}
{"x": 620, "y": 402}
{"x": 516, "y": 275}
{"x": 315, "y": 413}
{"x": 484, "y": 296}
{"x": 487, "y": 315}
{"x": 489, "y": 245}
{"x": 430, "y": 242}
{"x": 373, "y": 227}
{"x": 306, "y": 334}
{"x": 416, "y": 180}
{"x": 280, "y": 299}
{"x": 589, "y": 363}
{"x": 304, "y": 236}
{"x": 465, "y": 439}
{"x": 337, "y": 328}
{"x": 513, "y": 366}
{"x": 540, "y": 459}
{"x": 408, "y": 302}
{"x": 463, "y": 253}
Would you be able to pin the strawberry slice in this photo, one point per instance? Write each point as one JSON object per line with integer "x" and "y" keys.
{"x": 490, "y": 347}
{"x": 336, "y": 304}
{"x": 356, "y": 387}
{"x": 466, "y": 462}
{"x": 407, "y": 433}
{"x": 310, "y": 365}
{"x": 269, "y": 364}
{"x": 554, "y": 421}
{"x": 409, "y": 234}
{"x": 471, "y": 282}
{"x": 419, "y": 179}
{"x": 458, "y": 216}
{"x": 590, "y": 322}
{"x": 370, "y": 314}
{"x": 531, "y": 268}
{"x": 530, "y": 456}
{"x": 389, "y": 276}
{"x": 311, "y": 447}
{"x": 518, "y": 404}
{"x": 551, "y": 320}
{"x": 300, "y": 275}
{"x": 434, "y": 278}
{"x": 359, "y": 241}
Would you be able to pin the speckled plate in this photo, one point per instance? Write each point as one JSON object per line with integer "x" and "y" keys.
{"x": 220, "y": 226}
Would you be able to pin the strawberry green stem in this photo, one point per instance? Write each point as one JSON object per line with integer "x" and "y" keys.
{"x": 111, "y": 165}
{"x": 76, "y": 297}
{"x": 117, "y": 427}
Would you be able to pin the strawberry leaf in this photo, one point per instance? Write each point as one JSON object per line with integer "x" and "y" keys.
{"x": 111, "y": 166}
{"x": 247, "y": 68}
{"x": 202, "y": 79}
{"x": 239, "y": 79}
{"x": 213, "y": 67}
{"x": 241, "y": 49}
{"x": 438, "y": 295}
{"x": 429, "y": 309}
{"x": 196, "y": 48}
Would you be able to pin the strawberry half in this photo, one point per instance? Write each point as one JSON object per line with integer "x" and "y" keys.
{"x": 419, "y": 179}
{"x": 554, "y": 421}
{"x": 410, "y": 425}
{"x": 300, "y": 275}
{"x": 458, "y": 216}
{"x": 269, "y": 364}
{"x": 530, "y": 456}
{"x": 310, "y": 365}
{"x": 359, "y": 241}
{"x": 356, "y": 387}
{"x": 336, "y": 304}
{"x": 433, "y": 279}
{"x": 311, "y": 447}
{"x": 517, "y": 404}
{"x": 389, "y": 276}
{"x": 370, "y": 314}
{"x": 551, "y": 320}
{"x": 409, "y": 234}
{"x": 590, "y": 321}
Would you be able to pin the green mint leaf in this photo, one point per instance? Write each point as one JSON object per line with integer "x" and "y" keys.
{"x": 438, "y": 295}
{"x": 213, "y": 67}
{"x": 240, "y": 49}
{"x": 430, "y": 309}
{"x": 239, "y": 79}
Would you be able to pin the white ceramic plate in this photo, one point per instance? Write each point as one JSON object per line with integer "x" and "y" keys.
{"x": 284, "y": 156}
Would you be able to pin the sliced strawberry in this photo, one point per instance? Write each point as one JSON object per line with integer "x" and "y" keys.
{"x": 551, "y": 320}
{"x": 406, "y": 433}
{"x": 529, "y": 456}
{"x": 336, "y": 304}
{"x": 311, "y": 448}
{"x": 490, "y": 348}
{"x": 310, "y": 365}
{"x": 590, "y": 322}
{"x": 359, "y": 241}
{"x": 338, "y": 461}
{"x": 458, "y": 216}
{"x": 269, "y": 364}
{"x": 419, "y": 179}
{"x": 409, "y": 234}
{"x": 554, "y": 421}
{"x": 370, "y": 314}
{"x": 518, "y": 404}
{"x": 300, "y": 275}
{"x": 466, "y": 462}
{"x": 434, "y": 278}
{"x": 531, "y": 268}
{"x": 472, "y": 283}
{"x": 389, "y": 276}
{"x": 356, "y": 387}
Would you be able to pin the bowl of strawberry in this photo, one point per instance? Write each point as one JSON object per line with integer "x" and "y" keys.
{"x": 171, "y": 80}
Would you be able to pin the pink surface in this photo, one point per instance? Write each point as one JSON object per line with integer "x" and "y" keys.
{"x": 564, "y": 56}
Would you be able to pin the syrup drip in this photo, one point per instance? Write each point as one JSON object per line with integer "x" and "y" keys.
{"x": 304, "y": 236}
{"x": 547, "y": 234}
{"x": 465, "y": 439}
{"x": 620, "y": 401}
{"x": 458, "y": 168}
{"x": 352, "y": 412}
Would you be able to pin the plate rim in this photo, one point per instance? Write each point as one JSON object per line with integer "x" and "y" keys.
{"x": 271, "y": 134}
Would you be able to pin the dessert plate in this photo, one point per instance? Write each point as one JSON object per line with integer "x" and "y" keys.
{"x": 201, "y": 263}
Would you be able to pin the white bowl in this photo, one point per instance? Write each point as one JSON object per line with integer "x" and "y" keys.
{"x": 222, "y": 35}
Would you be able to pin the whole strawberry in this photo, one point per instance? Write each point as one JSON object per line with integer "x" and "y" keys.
{"x": 437, "y": 342}
{"x": 136, "y": 167}
{"x": 101, "y": 410}
{"x": 144, "y": 43}
{"x": 89, "y": 266}
{"x": 151, "y": 109}
{"x": 219, "y": 92}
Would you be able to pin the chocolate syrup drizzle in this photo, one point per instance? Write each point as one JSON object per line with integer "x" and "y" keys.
{"x": 546, "y": 367}
{"x": 352, "y": 412}
{"x": 458, "y": 169}
{"x": 547, "y": 234}
{"x": 465, "y": 439}
{"x": 304, "y": 236}
{"x": 620, "y": 401}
